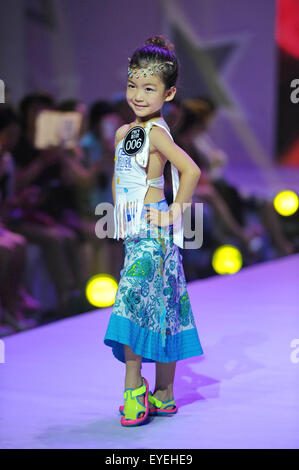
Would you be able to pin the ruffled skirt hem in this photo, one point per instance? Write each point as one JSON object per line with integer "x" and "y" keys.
{"x": 148, "y": 344}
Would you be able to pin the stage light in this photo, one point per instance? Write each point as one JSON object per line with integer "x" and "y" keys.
{"x": 286, "y": 203}
{"x": 101, "y": 290}
{"x": 227, "y": 259}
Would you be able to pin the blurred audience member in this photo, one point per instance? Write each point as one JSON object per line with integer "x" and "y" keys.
{"x": 14, "y": 298}
{"x": 213, "y": 160}
{"x": 123, "y": 110}
{"x": 44, "y": 197}
{"x": 194, "y": 119}
{"x": 96, "y": 173}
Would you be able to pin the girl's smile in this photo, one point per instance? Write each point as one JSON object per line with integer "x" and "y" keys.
{"x": 139, "y": 106}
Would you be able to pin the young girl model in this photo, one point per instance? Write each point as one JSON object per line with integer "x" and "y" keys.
{"x": 152, "y": 319}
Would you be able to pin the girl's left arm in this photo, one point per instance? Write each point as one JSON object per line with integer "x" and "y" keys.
{"x": 190, "y": 172}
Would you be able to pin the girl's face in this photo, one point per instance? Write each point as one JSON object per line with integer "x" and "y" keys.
{"x": 146, "y": 95}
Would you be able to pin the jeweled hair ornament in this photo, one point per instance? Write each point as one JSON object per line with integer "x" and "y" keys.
{"x": 151, "y": 68}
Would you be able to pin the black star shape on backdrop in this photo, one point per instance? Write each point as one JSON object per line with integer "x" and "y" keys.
{"x": 201, "y": 67}
{"x": 42, "y": 12}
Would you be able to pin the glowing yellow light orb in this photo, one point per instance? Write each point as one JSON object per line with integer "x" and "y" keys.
{"x": 101, "y": 290}
{"x": 227, "y": 259}
{"x": 286, "y": 202}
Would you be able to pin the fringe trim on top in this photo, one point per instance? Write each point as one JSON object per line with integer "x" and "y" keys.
{"x": 123, "y": 226}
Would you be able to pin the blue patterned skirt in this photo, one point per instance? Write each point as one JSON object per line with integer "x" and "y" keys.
{"x": 152, "y": 312}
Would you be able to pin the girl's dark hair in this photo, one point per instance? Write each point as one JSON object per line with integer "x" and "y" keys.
{"x": 157, "y": 50}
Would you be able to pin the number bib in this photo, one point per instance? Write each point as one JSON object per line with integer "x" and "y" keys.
{"x": 134, "y": 140}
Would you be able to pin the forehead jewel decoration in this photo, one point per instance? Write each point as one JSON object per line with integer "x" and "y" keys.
{"x": 151, "y": 68}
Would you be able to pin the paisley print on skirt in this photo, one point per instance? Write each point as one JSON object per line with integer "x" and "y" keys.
{"x": 152, "y": 312}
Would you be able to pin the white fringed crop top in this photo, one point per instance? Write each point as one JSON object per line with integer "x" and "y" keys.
{"x": 131, "y": 185}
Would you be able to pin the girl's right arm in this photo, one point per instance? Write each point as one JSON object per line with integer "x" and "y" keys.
{"x": 119, "y": 134}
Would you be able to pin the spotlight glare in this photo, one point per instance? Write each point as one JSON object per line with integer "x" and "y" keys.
{"x": 101, "y": 290}
{"x": 286, "y": 202}
{"x": 227, "y": 259}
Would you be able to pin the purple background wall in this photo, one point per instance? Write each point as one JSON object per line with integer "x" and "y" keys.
{"x": 80, "y": 48}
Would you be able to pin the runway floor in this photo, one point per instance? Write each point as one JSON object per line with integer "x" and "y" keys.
{"x": 61, "y": 386}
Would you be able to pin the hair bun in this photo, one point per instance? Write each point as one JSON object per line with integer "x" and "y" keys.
{"x": 159, "y": 41}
